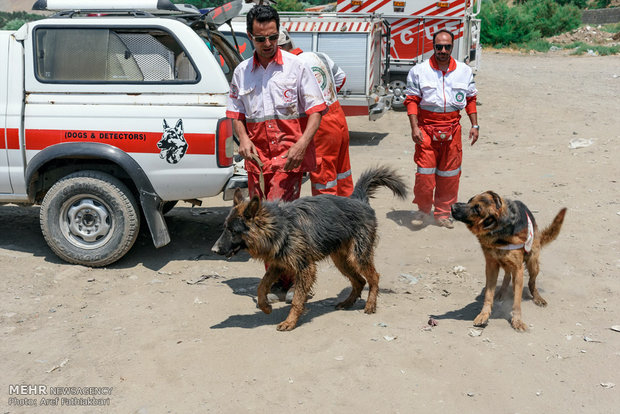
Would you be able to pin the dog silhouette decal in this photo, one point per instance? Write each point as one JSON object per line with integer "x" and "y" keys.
{"x": 172, "y": 143}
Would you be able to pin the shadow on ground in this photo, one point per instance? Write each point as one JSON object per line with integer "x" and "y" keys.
{"x": 404, "y": 218}
{"x": 193, "y": 231}
{"x": 358, "y": 138}
{"x": 502, "y": 309}
{"x": 246, "y": 286}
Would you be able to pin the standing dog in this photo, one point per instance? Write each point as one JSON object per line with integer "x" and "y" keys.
{"x": 509, "y": 237}
{"x": 292, "y": 237}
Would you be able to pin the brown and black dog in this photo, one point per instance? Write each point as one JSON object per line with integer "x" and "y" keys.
{"x": 291, "y": 237}
{"x": 509, "y": 237}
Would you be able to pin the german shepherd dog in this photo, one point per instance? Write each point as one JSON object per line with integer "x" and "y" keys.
{"x": 290, "y": 237}
{"x": 509, "y": 237}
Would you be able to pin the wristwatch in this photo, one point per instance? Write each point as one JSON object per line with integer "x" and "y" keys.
{"x": 476, "y": 126}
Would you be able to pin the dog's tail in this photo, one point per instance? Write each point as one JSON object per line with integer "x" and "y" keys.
{"x": 376, "y": 177}
{"x": 550, "y": 233}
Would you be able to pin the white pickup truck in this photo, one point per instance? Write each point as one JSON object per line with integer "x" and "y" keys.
{"x": 109, "y": 114}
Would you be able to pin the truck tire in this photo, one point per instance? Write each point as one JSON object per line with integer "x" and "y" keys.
{"x": 89, "y": 218}
{"x": 397, "y": 88}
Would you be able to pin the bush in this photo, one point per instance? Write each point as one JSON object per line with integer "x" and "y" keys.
{"x": 582, "y": 4}
{"x": 552, "y": 19}
{"x": 503, "y": 25}
{"x": 14, "y": 20}
{"x": 14, "y": 24}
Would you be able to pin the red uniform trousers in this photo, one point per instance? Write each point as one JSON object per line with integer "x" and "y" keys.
{"x": 439, "y": 165}
{"x": 333, "y": 173}
{"x": 279, "y": 185}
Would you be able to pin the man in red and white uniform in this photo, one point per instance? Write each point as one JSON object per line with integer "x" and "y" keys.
{"x": 269, "y": 93}
{"x": 437, "y": 90}
{"x": 333, "y": 173}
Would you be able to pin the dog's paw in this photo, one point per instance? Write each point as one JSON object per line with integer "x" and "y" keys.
{"x": 481, "y": 319}
{"x": 370, "y": 308}
{"x": 285, "y": 326}
{"x": 540, "y": 301}
{"x": 518, "y": 325}
{"x": 265, "y": 307}
{"x": 346, "y": 304}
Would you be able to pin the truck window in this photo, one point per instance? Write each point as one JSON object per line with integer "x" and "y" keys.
{"x": 110, "y": 55}
{"x": 223, "y": 51}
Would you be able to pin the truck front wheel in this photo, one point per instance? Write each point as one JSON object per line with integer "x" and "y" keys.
{"x": 397, "y": 87}
{"x": 89, "y": 218}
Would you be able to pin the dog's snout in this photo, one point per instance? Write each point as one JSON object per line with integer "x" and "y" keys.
{"x": 458, "y": 211}
{"x": 216, "y": 248}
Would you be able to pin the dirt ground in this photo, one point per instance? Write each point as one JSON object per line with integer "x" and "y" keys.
{"x": 176, "y": 330}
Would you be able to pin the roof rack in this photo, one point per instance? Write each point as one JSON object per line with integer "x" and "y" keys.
{"x": 92, "y": 6}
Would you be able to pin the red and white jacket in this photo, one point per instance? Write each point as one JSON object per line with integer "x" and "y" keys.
{"x": 272, "y": 100}
{"x": 436, "y": 91}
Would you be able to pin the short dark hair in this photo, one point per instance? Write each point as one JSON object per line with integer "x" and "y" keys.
{"x": 262, "y": 14}
{"x": 443, "y": 31}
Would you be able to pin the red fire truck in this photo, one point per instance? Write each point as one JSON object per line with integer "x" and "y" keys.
{"x": 413, "y": 23}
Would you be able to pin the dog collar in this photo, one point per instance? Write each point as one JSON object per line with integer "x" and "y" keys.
{"x": 528, "y": 242}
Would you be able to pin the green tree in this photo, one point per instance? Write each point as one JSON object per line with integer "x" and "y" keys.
{"x": 289, "y": 5}
{"x": 503, "y": 25}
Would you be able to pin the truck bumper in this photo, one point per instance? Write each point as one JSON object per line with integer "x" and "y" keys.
{"x": 380, "y": 104}
{"x": 236, "y": 181}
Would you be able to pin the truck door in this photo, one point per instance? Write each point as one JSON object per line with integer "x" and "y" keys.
{"x": 6, "y": 134}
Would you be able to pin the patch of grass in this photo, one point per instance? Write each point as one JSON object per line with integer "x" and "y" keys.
{"x": 539, "y": 45}
{"x": 611, "y": 28}
{"x": 581, "y": 48}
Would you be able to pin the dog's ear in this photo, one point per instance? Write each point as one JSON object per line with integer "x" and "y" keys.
{"x": 237, "y": 197}
{"x": 252, "y": 208}
{"x": 496, "y": 198}
{"x": 179, "y": 125}
{"x": 165, "y": 125}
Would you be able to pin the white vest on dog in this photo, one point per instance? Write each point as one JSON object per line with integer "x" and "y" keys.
{"x": 528, "y": 242}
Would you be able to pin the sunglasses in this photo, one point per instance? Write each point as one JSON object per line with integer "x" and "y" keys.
{"x": 439, "y": 47}
{"x": 262, "y": 39}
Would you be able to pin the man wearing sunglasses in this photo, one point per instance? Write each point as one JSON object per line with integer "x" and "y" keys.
{"x": 269, "y": 94}
{"x": 437, "y": 90}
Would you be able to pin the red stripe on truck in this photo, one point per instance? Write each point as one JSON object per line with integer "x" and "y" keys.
{"x": 355, "y": 110}
{"x": 128, "y": 141}
{"x": 12, "y": 139}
